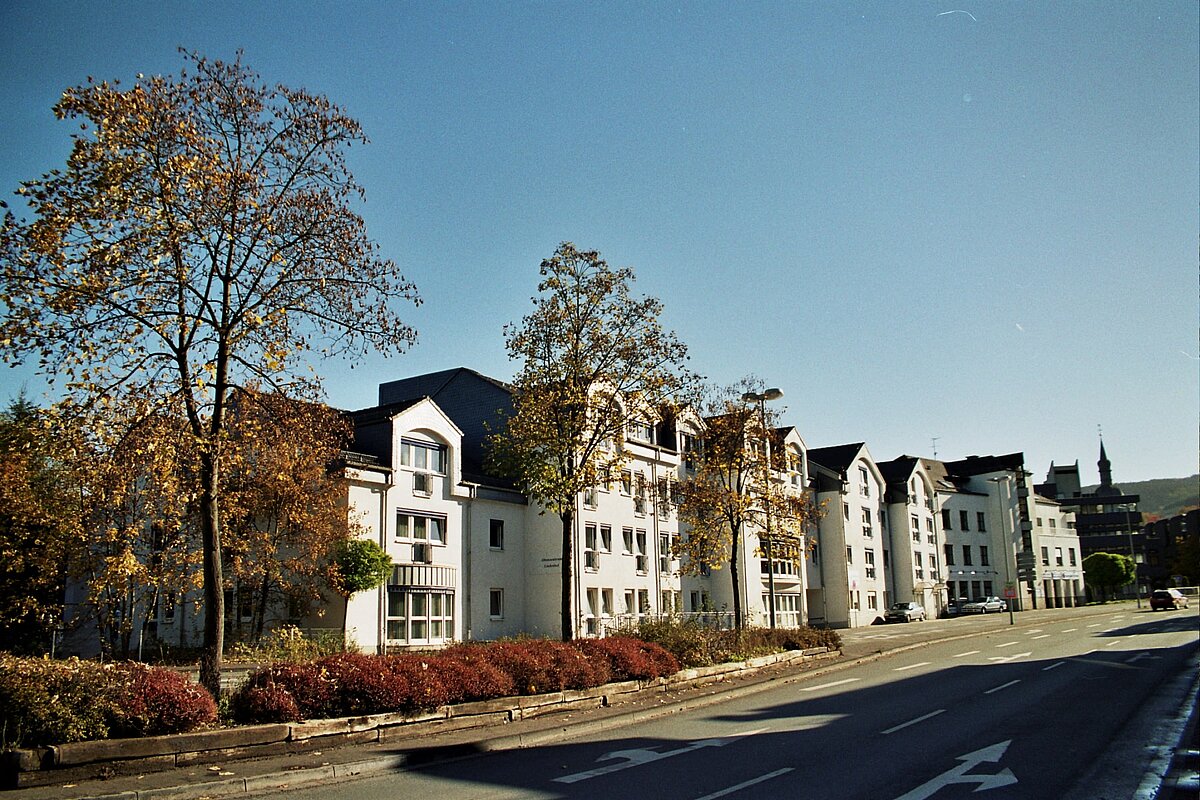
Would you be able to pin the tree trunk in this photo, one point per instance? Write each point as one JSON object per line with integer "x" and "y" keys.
{"x": 735, "y": 576}
{"x": 214, "y": 589}
{"x": 568, "y": 575}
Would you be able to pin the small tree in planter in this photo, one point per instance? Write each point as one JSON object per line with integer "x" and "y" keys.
{"x": 359, "y": 565}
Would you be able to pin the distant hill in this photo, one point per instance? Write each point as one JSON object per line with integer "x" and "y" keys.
{"x": 1164, "y": 497}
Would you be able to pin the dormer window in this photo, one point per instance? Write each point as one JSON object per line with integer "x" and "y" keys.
{"x": 640, "y": 431}
{"x": 423, "y": 455}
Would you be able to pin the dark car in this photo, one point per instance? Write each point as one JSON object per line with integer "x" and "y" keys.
{"x": 905, "y": 612}
{"x": 1167, "y": 598}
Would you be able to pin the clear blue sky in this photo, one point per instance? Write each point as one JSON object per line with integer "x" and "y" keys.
{"x": 964, "y": 220}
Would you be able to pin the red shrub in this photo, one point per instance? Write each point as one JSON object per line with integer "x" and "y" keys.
{"x": 310, "y": 687}
{"x": 629, "y": 658}
{"x": 543, "y": 665}
{"x": 371, "y": 684}
{"x": 467, "y": 674}
{"x": 270, "y": 703}
{"x": 155, "y": 701}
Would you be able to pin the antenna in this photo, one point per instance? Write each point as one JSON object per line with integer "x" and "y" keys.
{"x": 934, "y": 439}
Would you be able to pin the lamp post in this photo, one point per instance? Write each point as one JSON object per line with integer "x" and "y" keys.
{"x": 1008, "y": 601}
{"x": 761, "y": 398}
{"x": 1137, "y": 587}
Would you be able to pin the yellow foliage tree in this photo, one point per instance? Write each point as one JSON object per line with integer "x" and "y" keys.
{"x": 200, "y": 237}
{"x": 593, "y": 358}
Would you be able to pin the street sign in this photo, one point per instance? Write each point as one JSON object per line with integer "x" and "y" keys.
{"x": 1010, "y": 592}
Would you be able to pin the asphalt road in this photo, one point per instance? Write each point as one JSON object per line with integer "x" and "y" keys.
{"x": 1026, "y": 712}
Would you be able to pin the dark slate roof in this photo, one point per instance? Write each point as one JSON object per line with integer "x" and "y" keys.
{"x": 431, "y": 384}
{"x": 978, "y": 465}
{"x": 898, "y": 470}
{"x": 837, "y": 458}
{"x": 378, "y": 413}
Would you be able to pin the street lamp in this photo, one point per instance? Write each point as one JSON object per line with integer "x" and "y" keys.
{"x": 1009, "y": 601}
{"x": 761, "y": 398}
{"x": 1137, "y": 586}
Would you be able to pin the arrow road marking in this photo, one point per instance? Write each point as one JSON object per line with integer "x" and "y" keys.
{"x": 1006, "y": 659}
{"x": 961, "y": 773}
{"x": 644, "y": 755}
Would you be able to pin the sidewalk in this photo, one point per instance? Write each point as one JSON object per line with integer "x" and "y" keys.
{"x": 265, "y": 774}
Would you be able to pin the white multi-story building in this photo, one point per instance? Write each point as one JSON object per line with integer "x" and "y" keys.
{"x": 916, "y": 540}
{"x": 853, "y": 554}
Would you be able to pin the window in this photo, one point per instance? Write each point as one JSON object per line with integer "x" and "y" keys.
{"x": 421, "y": 616}
{"x": 967, "y": 555}
{"x": 639, "y": 493}
{"x": 915, "y": 526}
{"x": 167, "y": 608}
{"x": 949, "y": 555}
{"x": 591, "y": 558}
{"x": 593, "y": 611}
{"x": 987, "y": 589}
{"x": 918, "y": 565}
{"x": 872, "y": 601}
{"x": 946, "y": 520}
{"x": 643, "y": 601}
{"x": 630, "y": 605}
{"x": 627, "y": 537}
{"x": 423, "y": 455}
{"x": 701, "y": 601}
{"x": 933, "y": 569}
{"x": 496, "y": 534}
{"x": 962, "y": 520}
{"x": 606, "y": 602}
{"x": 1045, "y": 554}
{"x": 864, "y": 488}
{"x": 626, "y": 482}
{"x": 1058, "y": 557}
{"x": 642, "y": 563}
{"x": 885, "y": 559}
{"x": 869, "y": 560}
{"x": 690, "y": 445}
{"x": 866, "y": 523}
{"x": 641, "y": 431}
{"x": 981, "y": 520}
{"x": 846, "y": 511}
{"x": 606, "y": 538}
{"x": 929, "y": 524}
{"x": 849, "y": 555}
{"x": 1071, "y": 553}
{"x": 1053, "y": 523}
{"x": 422, "y": 528}
{"x": 983, "y": 555}
{"x": 1039, "y": 522}
{"x": 496, "y": 603}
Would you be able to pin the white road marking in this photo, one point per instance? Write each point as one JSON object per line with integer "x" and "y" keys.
{"x": 646, "y": 755}
{"x": 904, "y": 725}
{"x": 1070, "y": 630}
{"x": 961, "y": 774}
{"x": 968, "y": 653}
{"x": 912, "y": 666}
{"x": 1053, "y": 666}
{"x": 1043, "y": 636}
{"x": 1006, "y": 644}
{"x": 828, "y": 685}
{"x": 1035, "y": 630}
{"x": 1113, "y": 642}
{"x": 1095, "y": 625}
{"x": 1006, "y": 659}
{"x": 1000, "y": 687}
{"x": 744, "y": 784}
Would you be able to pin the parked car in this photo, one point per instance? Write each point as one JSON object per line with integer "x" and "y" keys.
{"x": 1167, "y": 598}
{"x": 984, "y": 605}
{"x": 905, "y": 612}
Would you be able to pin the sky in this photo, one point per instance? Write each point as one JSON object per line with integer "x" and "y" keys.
{"x": 955, "y": 227}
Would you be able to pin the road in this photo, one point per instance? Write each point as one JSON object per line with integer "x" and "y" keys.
{"x": 1025, "y": 712}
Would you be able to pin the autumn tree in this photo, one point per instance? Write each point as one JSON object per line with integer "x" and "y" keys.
{"x": 593, "y": 358}
{"x": 39, "y": 520}
{"x": 201, "y": 236}
{"x": 135, "y": 466}
{"x": 285, "y": 509}
{"x": 732, "y": 491}
{"x": 1108, "y": 572}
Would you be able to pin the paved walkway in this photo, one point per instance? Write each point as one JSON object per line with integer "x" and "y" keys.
{"x": 263, "y": 775}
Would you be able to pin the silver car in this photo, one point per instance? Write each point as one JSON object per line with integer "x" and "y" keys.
{"x": 905, "y": 612}
{"x": 984, "y": 605}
